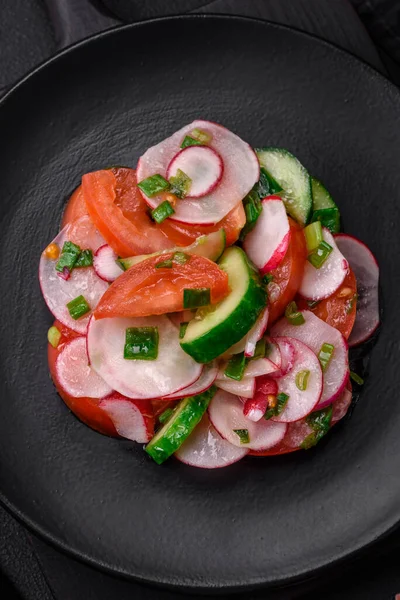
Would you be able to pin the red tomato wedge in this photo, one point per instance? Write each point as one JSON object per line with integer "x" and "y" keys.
{"x": 287, "y": 277}
{"x": 339, "y": 310}
{"x": 86, "y": 409}
{"x": 75, "y": 209}
{"x": 146, "y": 289}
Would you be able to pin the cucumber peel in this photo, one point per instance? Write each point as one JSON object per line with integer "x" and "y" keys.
{"x": 324, "y": 207}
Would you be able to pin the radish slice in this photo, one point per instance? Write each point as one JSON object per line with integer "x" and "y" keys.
{"x": 255, "y": 408}
{"x": 259, "y": 367}
{"x": 226, "y": 414}
{"x": 206, "y": 449}
{"x": 105, "y": 264}
{"x": 300, "y": 403}
{"x": 75, "y": 375}
{"x": 204, "y": 382}
{"x": 266, "y": 245}
{"x": 287, "y": 354}
{"x": 241, "y": 172}
{"x": 323, "y": 282}
{"x": 297, "y": 433}
{"x": 244, "y": 388}
{"x": 172, "y": 371}
{"x": 202, "y": 164}
{"x": 132, "y": 420}
{"x": 57, "y": 292}
{"x": 256, "y": 332}
{"x": 342, "y": 405}
{"x": 366, "y": 270}
{"x": 314, "y": 333}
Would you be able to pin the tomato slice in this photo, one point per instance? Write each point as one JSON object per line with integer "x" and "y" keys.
{"x": 339, "y": 310}
{"x": 75, "y": 209}
{"x": 287, "y": 277}
{"x": 146, "y": 289}
{"x": 86, "y": 409}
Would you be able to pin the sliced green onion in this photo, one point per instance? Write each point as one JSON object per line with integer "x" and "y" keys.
{"x": 151, "y": 186}
{"x": 180, "y": 184}
{"x": 325, "y": 355}
{"x": 85, "y": 259}
{"x": 243, "y": 435}
{"x": 201, "y": 136}
{"x": 69, "y": 255}
{"x": 313, "y": 303}
{"x": 302, "y": 380}
{"x": 313, "y": 235}
{"x": 164, "y": 264}
{"x": 274, "y": 411}
{"x": 356, "y": 378}
{"x": 54, "y": 336}
{"x": 293, "y": 315}
{"x": 162, "y": 212}
{"x": 350, "y": 304}
{"x": 141, "y": 343}
{"x": 329, "y": 218}
{"x": 320, "y": 422}
{"x": 260, "y": 349}
{"x": 182, "y": 329}
{"x": 267, "y": 278}
{"x": 320, "y": 254}
{"x": 166, "y": 415}
{"x": 267, "y": 186}
{"x": 121, "y": 263}
{"x": 236, "y": 366}
{"x": 78, "y": 307}
{"x": 181, "y": 258}
{"x": 252, "y": 208}
{"x": 194, "y": 298}
{"x": 188, "y": 140}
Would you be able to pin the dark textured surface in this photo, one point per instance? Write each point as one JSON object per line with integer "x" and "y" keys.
{"x": 103, "y": 499}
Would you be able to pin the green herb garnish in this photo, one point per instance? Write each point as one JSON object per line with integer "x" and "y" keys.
{"x": 156, "y": 184}
{"x": 54, "y": 336}
{"x": 141, "y": 343}
{"x": 78, "y": 307}
{"x": 162, "y": 212}
{"x": 302, "y": 380}
{"x": 236, "y": 366}
{"x": 194, "y": 298}
{"x": 85, "y": 259}
{"x": 356, "y": 378}
{"x": 182, "y": 330}
{"x": 320, "y": 254}
{"x": 320, "y": 422}
{"x": 180, "y": 184}
{"x": 325, "y": 355}
{"x": 277, "y": 408}
{"x": 293, "y": 315}
{"x": 243, "y": 435}
{"x": 69, "y": 255}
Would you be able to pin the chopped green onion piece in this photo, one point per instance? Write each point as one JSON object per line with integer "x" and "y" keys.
{"x": 162, "y": 212}
{"x": 190, "y": 141}
{"x": 181, "y": 258}
{"x": 201, "y": 136}
{"x": 182, "y": 330}
{"x": 350, "y": 304}
{"x": 320, "y": 421}
{"x": 69, "y": 255}
{"x": 260, "y": 349}
{"x": 194, "y": 298}
{"x": 54, "y": 336}
{"x": 274, "y": 411}
{"x": 164, "y": 264}
{"x": 356, "y": 378}
{"x": 267, "y": 186}
{"x": 320, "y": 254}
{"x": 302, "y": 380}
{"x": 313, "y": 235}
{"x": 141, "y": 343}
{"x": 252, "y": 208}
{"x": 166, "y": 415}
{"x": 267, "y": 278}
{"x": 325, "y": 355}
{"x": 180, "y": 184}
{"x": 154, "y": 185}
{"x": 236, "y": 366}
{"x": 78, "y": 307}
{"x": 85, "y": 259}
{"x": 329, "y": 218}
{"x": 121, "y": 263}
{"x": 313, "y": 303}
{"x": 243, "y": 435}
{"x": 293, "y": 315}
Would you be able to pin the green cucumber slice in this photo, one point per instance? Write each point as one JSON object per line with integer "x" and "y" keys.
{"x": 293, "y": 178}
{"x": 324, "y": 207}
{"x": 320, "y": 195}
{"x": 179, "y": 426}
{"x": 210, "y": 246}
{"x": 215, "y": 329}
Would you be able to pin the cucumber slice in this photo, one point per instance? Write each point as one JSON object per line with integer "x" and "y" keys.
{"x": 324, "y": 207}
{"x": 320, "y": 195}
{"x": 210, "y": 246}
{"x": 215, "y": 329}
{"x": 293, "y": 178}
{"x": 177, "y": 429}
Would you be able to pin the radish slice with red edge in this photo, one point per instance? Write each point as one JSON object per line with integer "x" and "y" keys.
{"x": 57, "y": 291}
{"x": 366, "y": 270}
{"x": 235, "y": 184}
{"x": 342, "y": 405}
{"x": 300, "y": 402}
{"x": 287, "y": 354}
{"x": 170, "y": 372}
{"x": 255, "y": 408}
{"x": 259, "y": 367}
{"x": 132, "y": 420}
{"x": 321, "y": 283}
{"x": 244, "y": 388}
{"x": 267, "y": 243}
{"x": 296, "y": 434}
{"x": 202, "y": 164}
{"x": 314, "y": 333}
{"x": 204, "y": 382}
{"x": 105, "y": 265}
{"x": 206, "y": 449}
{"x": 256, "y": 332}
{"x": 226, "y": 414}
{"x": 74, "y": 374}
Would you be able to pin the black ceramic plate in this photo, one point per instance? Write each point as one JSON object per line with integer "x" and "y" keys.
{"x": 261, "y": 521}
